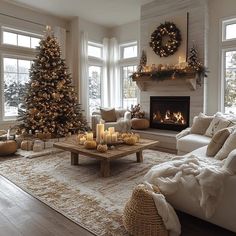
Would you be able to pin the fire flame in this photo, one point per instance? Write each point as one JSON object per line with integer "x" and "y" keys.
{"x": 169, "y": 117}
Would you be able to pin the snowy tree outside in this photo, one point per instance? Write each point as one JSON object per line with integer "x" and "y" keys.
{"x": 230, "y": 82}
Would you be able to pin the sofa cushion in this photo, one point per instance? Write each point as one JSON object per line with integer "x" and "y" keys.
{"x": 217, "y": 142}
{"x": 191, "y": 142}
{"x": 201, "y": 123}
{"x": 217, "y": 124}
{"x": 229, "y": 145}
{"x": 230, "y": 162}
{"x": 109, "y": 115}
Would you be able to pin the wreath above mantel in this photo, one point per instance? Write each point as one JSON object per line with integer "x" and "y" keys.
{"x": 173, "y": 37}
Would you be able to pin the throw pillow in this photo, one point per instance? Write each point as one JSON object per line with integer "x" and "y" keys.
{"x": 201, "y": 123}
{"x": 109, "y": 115}
{"x": 230, "y": 162}
{"x": 217, "y": 124}
{"x": 217, "y": 142}
{"x": 229, "y": 145}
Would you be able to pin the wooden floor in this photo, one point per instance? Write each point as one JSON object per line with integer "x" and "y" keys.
{"x": 21, "y": 214}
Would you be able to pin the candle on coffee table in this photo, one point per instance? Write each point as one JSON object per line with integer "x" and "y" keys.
{"x": 89, "y": 136}
{"x": 114, "y": 137}
{"x": 111, "y": 130}
{"x": 99, "y": 132}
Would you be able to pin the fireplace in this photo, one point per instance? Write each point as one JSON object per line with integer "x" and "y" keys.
{"x": 169, "y": 112}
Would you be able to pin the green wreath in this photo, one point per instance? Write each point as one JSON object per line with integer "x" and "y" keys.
{"x": 173, "y": 35}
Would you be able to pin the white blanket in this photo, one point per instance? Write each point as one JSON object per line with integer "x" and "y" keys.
{"x": 204, "y": 178}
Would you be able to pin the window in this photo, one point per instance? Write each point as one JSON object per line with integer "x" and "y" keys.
{"x": 15, "y": 77}
{"x": 95, "y": 68}
{"x": 130, "y": 89}
{"x": 94, "y": 87}
{"x": 18, "y": 38}
{"x": 94, "y": 50}
{"x": 129, "y": 50}
{"x": 229, "y": 29}
{"x": 228, "y": 48}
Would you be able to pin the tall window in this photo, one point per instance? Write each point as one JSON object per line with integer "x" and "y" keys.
{"x": 15, "y": 68}
{"x": 229, "y": 66}
{"x": 128, "y": 65}
{"x": 95, "y": 59}
{"x": 15, "y": 77}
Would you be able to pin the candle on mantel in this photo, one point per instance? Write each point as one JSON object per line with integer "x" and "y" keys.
{"x": 99, "y": 132}
{"x": 89, "y": 136}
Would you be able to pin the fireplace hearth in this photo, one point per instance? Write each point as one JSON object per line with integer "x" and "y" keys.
{"x": 169, "y": 112}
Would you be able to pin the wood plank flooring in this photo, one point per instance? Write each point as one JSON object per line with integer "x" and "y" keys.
{"x": 23, "y": 215}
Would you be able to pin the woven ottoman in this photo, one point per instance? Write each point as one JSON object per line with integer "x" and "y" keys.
{"x": 7, "y": 147}
{"x": 140, "y": 217}
{"x": 137, "y": 123}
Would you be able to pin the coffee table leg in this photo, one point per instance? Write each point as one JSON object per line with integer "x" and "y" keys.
{"x": 74, "y": 158}
{"x": 139, "y": 156}
{"x": 105, "y": 168}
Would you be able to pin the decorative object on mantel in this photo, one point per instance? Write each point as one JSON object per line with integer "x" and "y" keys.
{"x": 172, "y": 33}
{"x": 142, "y": 62}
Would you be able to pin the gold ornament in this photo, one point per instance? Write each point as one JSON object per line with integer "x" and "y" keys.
{"x": 102, "y": 148}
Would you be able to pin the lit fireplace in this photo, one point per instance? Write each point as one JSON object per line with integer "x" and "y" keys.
{"x": 169, "y": 112}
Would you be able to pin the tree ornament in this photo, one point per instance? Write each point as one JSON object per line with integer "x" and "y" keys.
{"x": 167, "y": 31}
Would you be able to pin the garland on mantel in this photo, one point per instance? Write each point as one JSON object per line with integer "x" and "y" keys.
{"x": 172, "y": 73}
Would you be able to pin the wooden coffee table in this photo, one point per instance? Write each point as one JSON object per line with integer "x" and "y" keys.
{"x": 117, "y": 152}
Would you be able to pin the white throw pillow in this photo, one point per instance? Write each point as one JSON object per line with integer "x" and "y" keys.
{"x": 230, "y": 162}
{"x": 217, "y": 124}
{"x": 229, "y": 145}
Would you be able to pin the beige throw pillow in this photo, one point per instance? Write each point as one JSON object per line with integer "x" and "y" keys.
{"x": 217, "y": 124}
{"x": 217, "y": 142}
{"x": 228, "y": 146}
{"x": 109, "y": 115}
{"x": 201, "y": 123}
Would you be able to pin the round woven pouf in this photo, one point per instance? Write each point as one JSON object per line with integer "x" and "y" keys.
{"x": 140, "y": 217}
{"x": 137, "y": 123}
{"x": 7, "y": 147}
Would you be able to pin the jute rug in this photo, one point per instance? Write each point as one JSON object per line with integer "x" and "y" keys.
{"x": 78, "y": 192}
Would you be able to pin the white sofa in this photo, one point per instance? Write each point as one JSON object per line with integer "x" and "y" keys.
{"x": 225, "y": 214}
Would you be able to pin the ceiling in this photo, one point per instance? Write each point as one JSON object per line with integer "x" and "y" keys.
{"x": 109, "y": 13}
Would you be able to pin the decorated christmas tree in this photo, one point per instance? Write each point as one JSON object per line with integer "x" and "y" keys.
{"x": 50, "y": 104}
{"x": 193, "y": 60}
{"x": 142, "y": 62}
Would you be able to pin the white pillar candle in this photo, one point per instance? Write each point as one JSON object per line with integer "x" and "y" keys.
{"x": 108, "y": 138}
{"x": 89, "y": 136}
{"x": 99, "y": 132}
{"x": 114, "y": 137}
{"x": 111, "y": 130}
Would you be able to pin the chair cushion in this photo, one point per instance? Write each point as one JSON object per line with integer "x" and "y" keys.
{"x": 109, "y": 115}
{"x": 191, "y": 142}
{"x": 201, "y": 123}
{"x": 217, "y": 142}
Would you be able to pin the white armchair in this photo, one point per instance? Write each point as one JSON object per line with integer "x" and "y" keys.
{"x": 122, "y": 123}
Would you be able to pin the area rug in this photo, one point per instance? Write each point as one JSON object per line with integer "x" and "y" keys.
{"x": 78, "y": 192}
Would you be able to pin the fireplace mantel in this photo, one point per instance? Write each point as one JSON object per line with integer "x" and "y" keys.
{"x": 145, "y": 79}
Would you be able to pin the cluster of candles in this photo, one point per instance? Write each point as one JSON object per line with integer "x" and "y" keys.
{"x": 106, "y": 136}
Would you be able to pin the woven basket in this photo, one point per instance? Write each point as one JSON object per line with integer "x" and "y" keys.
{"x": 140, "y": 217}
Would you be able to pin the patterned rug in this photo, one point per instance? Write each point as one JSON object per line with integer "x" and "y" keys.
{"x": 78, "y": 192}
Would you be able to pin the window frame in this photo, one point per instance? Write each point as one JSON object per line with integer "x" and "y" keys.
{"x": 225, "y": 45}
{"x": 4, "y": 28}
{"x": 2, "y": 98}
{"x": 125, "y": 45}
{"x": 98, "y": 45}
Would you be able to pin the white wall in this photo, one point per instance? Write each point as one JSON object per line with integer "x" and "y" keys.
{"x": 218, "y": 10}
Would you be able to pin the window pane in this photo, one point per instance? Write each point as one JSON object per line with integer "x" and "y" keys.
{"x": 10, "y": 65}
{"x": 24, "y": 66}
{"x": 94, "y": 51}
{"x": 94, "y": 88}
{"x": 130, "y": 51}
{"x": 16, "y": 75}
{"x": 9, "y": 38}
{"x": 129, "y": 87}
{"x": 34, "y": 42}
{"x": 230, "y": 82}
{"x": 230, "y": 31}
{"x": 23, "y": 41}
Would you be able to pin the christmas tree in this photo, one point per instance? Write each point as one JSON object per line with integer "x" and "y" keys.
{"x": 142, "y": 62}
{"x": 193, "y": 60}
{"x": 50, "y": 104}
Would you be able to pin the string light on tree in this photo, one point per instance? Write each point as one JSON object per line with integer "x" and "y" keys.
{"x": 50, "y": 103}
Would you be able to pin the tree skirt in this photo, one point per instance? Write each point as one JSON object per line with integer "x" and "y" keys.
{"x": 78, "y": 192}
